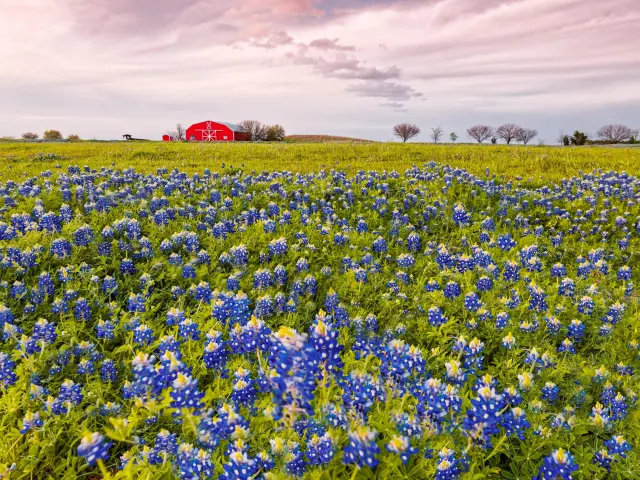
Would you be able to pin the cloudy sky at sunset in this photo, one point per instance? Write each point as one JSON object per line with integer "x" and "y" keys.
{"x": 101, "y": 68}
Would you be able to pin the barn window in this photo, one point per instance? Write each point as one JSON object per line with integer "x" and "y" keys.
{"x": 225, "y": 137}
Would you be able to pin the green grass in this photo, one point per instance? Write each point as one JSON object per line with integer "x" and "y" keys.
{"x": 18, "y": 159}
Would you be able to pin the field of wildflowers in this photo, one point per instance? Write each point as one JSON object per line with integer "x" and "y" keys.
{"x": 237, "y": 323}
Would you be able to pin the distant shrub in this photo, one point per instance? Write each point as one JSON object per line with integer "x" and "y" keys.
{"x": 52, "y": 135}
{"x": 73, "y": 137}
{"x": 30, "y": 136}
{"x": 578, "y": 138}
{"x": 275, "y": 133}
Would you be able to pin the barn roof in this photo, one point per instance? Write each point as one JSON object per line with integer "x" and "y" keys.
{"x": 233, "y": 126}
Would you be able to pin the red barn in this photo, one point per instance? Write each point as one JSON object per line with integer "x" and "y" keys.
{"x": 209, "y": 131}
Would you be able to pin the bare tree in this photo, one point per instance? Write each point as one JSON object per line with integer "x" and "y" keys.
{"x": 436, "y": 134}
{"x": 508, "y": 132}
{"x": 30, "y": 136}
{"x": 256, "y": 131}
{"x": 480, "y": 133}
{"x": 180, "y": 132}
{"x": 617, "y": 133}
{"x": 406, "y": 131}
{"x": 525, "y": 135}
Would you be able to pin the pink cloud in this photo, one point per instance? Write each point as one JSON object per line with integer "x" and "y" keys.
{"x": 330, "y": 44}
{"x": 469, "y": 56}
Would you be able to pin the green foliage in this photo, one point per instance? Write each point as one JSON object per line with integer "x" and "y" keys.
{"x": 578, "y": 138}
{"x": 52, "y": 135}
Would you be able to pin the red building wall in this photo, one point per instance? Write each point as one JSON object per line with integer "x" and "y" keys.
{"x": 209, "y": 131}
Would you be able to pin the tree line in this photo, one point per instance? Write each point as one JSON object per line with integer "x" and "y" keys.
{"x": 510, "y": 132}
{"x": 49, "y": 135}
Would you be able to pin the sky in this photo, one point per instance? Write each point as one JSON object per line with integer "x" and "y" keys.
{"x": 102, "y": 68}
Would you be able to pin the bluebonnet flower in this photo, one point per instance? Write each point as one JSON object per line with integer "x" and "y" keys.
{"x": 448, "y": 468}
{"x": 414, "y": 243}
{"x": 484, "y": 284}
{"x": 185, "y": 393}
{"x": 143, "y": 335}
{"x": 81, "y": 310}
{"x": 83, "y": 235}
{"x": 45, "y": 331}
{"x": 188, "y": 330}
{"x": 94, "y": 447}
{"x": 127, "y": 267}
{"x": 558, "y": 270}
{"x": 435, "y": 317}
{"x": 320, "y": 449}
{"x": 278, "y": 247}
{"x": 108, "y": 371}
{"x": 603, "y": 459}
{"x": 472, "y": 302}
{"x": 175, "y": 316}
{"x": 617, "y": 445}
{"x": 401, "y": 446}
{"x": 624, "y": 273}
{"x": 244, "y": 389}
{"x": 324, "y": 338}
{"x": 105, "y": 330}
{"x": 362, "y": 448}
{"x": 567, "y": 346}
{"x": 586, "y": 305}
{"x": 558, "y": 465}
{"x": 460, "y": 216}
{"x": 502, "y": 320}
{"x": 509, "y": 342}
{"x": 61, "y": 248}
{"x": 193, "y": 463}
{"x": 575, "y": 331}
{"x": 31, "y": 421}
{"x": 506, "y": 242}
{"x": 136, "y": 303}
{"x": 515, "y": 422}
{"x": 483, "y": 418}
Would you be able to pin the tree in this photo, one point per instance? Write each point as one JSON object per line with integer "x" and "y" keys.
{"x": 525, "y": 135}
{"x": 453, "y": 136}
{"x": 578, "y": 138}
{"x": 480, "y": 133}
{"x": 180, "y": 132}
{"x": 563, "y": 139}
{"x": 30, "y": 136}
{"x": 406, "y": 131}
{"x": 52, "y": 135}
{"x": 275, "y": 133}
{"x": 494, "y": 140}
{"x": 73, "y": 137}
{"x": 436, "y": 134}
{"x": 560, "y": 137}
{"x": 508, "y": 132}
{"x": 256, "y": 131}
{"x": 617, "y": 133}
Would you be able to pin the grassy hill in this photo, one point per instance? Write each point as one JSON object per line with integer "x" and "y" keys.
{"x": 324, "y": 139}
